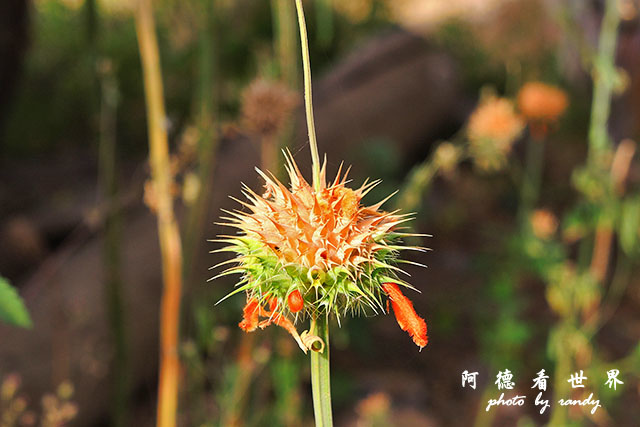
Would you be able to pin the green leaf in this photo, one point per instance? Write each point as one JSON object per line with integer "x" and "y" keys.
{"x": 12, "y": 309}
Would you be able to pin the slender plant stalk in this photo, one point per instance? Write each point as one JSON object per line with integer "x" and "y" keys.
{"x": 168, "y": 232}
{"x": 320, "y": 374}
{"x": 269, "y": 153}
{"x": 324, "y": 20}
{"x": 320, "y": 371}
{"x": 604, "y": 77}
{"x": 112, "y": 244}
{"x": 286, "y": 43}
{"x": 485, "y": 418}
{"x": 561, "y": 387}
{"x": 599, "y": 144}
{"x": 233, "y": 403}
{"x": 308, "y": 101}
{"x": 530, "y": 190}
{"x": 283, "y": 17}
{"x": 105, "y": 81}
{"x": 418, "y": 182}
{"x": 207, "y": 109}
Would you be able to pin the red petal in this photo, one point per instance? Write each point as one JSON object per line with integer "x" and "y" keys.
{"x": 250, "y": 316}
{"x": 406, "y": 316}
{"x": 273, "y": 303}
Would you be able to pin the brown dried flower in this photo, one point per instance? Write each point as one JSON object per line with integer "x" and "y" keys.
{"x": 266, "y": 106}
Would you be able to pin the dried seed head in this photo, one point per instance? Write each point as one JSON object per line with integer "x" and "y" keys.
{"x": 266, "y": 107}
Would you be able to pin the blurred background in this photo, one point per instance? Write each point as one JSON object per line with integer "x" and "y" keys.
{"x": 491, "y": 118}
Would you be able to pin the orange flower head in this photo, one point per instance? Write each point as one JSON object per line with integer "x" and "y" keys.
{"x": 493, "y": 128}
{"x": 543, "y": 224}
{"x": 315, "y": 251}
{"x": 541, "y": 102}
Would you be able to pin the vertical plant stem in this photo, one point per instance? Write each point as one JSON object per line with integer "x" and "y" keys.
{"x": 308, "y": 101}
{"x": 112, "y": 244}
{"x": 485, "y": 418}
{"x": 561, "y": 386}
{"x": 283, "y": 17}
{"x": 532, "y": 179}
{"x": 324, "y": 19}
{"x": 207, "y": 108}
{"x": 320, "y": 371}
{"x": 234, "y": 402}
{"x": 320, "y": 374}
{"x": 269, "y": 153}
{"x": 169, "y": 236}
{"x": 286, "y": 43}
{"x": 417, "y": 183}
{"x": 604, "y": 76}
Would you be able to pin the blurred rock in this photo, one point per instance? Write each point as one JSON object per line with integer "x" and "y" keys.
{"x": 22, "y": 246}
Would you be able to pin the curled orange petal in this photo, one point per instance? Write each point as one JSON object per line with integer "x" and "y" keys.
{"x": 283, "y": 322}
{"x": 251, "y": 319}
{"x": 406, "y": 315}
{"x": 250, "y": 314}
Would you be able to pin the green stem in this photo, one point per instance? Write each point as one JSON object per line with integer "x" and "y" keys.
{"x": 324, "y": 20}
{"x": 112, "y": 245}
{"x": 308, "y": 102}
{"x": 286, "y": 43}
{"x": 530, "y": 189}
{"x": 561, "y": 389}
{"x": 320, "y": 374}
{"x": 604, "y": 78}
{"x": 417, "y": 183}
{"x": 207, "y": 109}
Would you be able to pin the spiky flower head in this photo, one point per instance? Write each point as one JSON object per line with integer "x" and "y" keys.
{"x": 306, "y": 252}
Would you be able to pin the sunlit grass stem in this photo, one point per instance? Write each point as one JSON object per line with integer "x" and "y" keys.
{"x": 320, "y": 374}
{"x": 604, "y": 74}
{"x": 168, "y": 232}
{"x": 320, "y": 370}
{"x": 308, "y": 101}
